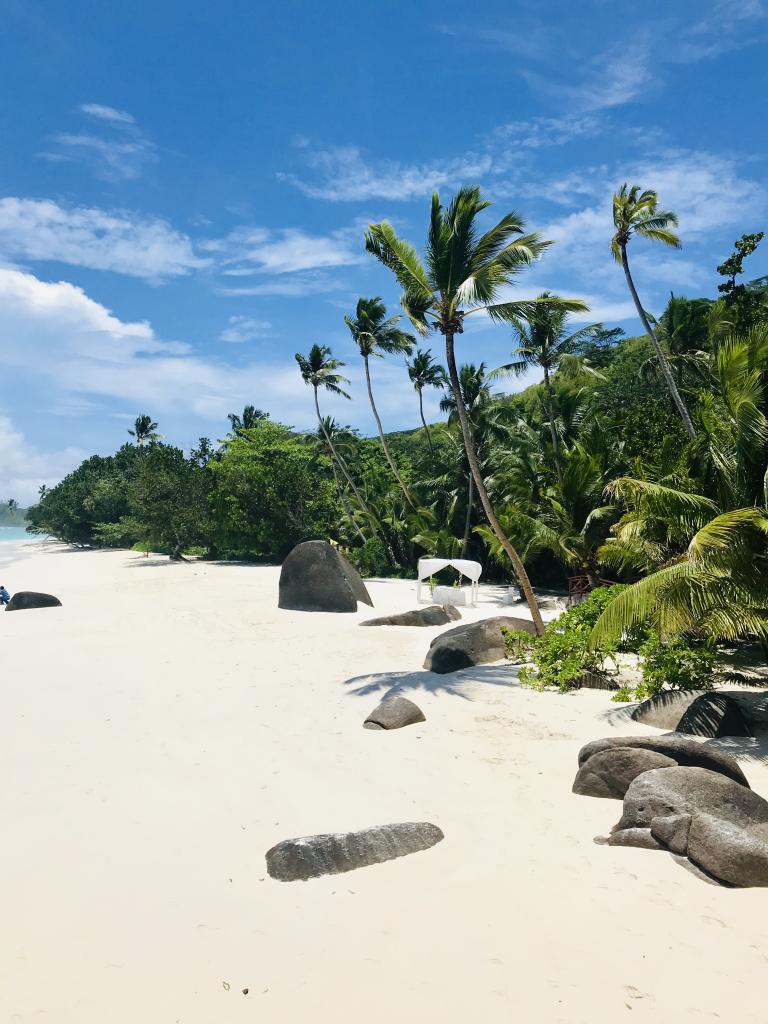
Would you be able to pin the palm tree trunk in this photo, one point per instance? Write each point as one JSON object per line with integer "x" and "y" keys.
{"x": 663, "y": 363}
{"x": 553, "y": 432}
{"x": 343, "y": 500}
{"x": 390, "y": 460}
{"x": 341, "y": 462}
{"x": 468, "y": 520}
{"x": 426, "y": 428}
{"x": 469, "y": 447}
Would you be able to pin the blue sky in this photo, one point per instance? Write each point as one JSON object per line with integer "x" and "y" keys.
{"x": 184, "y": 187}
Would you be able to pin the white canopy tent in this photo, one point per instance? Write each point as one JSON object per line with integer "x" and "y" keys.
{"x": 471, "y": 570}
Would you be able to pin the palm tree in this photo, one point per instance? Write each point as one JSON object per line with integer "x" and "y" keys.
{"x": 251, "y": 417}
{"x": 329, "y": 437}
{"x": 543, "y": 339}
{"x": 318, "y": 369}
{"x": 144, "y": 430}
{"x": 374, "y": 334}
{"x": 425, "y": 373}
{"x": 12, "y": 505}
{"x": 636, "y": 212}
{"x": 463, "y": 269}
{"x": 485, "y": 424}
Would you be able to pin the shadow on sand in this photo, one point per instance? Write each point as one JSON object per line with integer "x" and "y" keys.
{"x": 387, "y": 684}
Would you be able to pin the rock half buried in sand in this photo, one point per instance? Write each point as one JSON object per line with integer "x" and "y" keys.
{"x": 394, "y": 713}
{"x": 433, "y": 615}
{"x": 476, "y": 643}
{"x": 30, "y": 599}
{"x": 608, "y": 773}
{"x": 714, "y": 715}
{"x": 720, "y": 826}
{"x": 686, "y": 752}
{"x": 315, "y": 577}
{"x": 666, "y": 709}
{"x": 312, "y": 856}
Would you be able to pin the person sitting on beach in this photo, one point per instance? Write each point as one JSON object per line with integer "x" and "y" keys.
{"x": 5, "y": 597}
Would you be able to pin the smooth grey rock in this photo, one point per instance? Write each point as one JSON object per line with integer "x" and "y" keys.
{"x": 686, "y": 752}
{"x": 665, "y": 710}
{"x": 432, "y": 615}
{"x": 394, "y": 713}
{"x": 25, "y": 599}
{"x": 608, "y": 773}
{"x": 728, "y": 830}
{"x": 713, "y": 715}
{"x": 316, "y": 577}
{"x": 475, "y": 643}
{"x": 312, "y": 856}
{"x": 642, "y": 838}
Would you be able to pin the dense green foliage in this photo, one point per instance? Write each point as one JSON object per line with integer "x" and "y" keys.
{"x": 11, "y": 514}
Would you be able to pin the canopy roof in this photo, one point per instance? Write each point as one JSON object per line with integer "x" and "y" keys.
{"x": 429, "y": 566}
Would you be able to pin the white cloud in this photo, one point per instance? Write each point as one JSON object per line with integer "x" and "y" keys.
{"x": 41, "y": 229}
{"x": 104, "y": 113}
{"x": 115, "y": 150}
{"x": 244, "y": 328}
{"x": 250, "y": 250}
{"x": 344, "y": 175}
{"x": 543, "y": 132}
{"x": 23, "y": 468}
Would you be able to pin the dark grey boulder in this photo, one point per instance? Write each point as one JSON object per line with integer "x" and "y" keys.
{"x": 721, "y": 826}
{"x": 608, "y": 773}
{"x": 25, "y": 599}
{"x": 686, "y": 752}
{"x": 476, "y": 643}
{"x": 665, "y": 710}
{"x": 394, "y": 713}
{"x": 714, "y": 715}
{"x": 312, "y": 856}
{"x": 316, "y": 577}
{"x": 432, "y": 615}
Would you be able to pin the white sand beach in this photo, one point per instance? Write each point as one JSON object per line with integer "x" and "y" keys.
{"x": 169, "y": 724}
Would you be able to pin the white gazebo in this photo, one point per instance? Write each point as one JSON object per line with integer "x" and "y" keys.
{"x": 450, "y": 595}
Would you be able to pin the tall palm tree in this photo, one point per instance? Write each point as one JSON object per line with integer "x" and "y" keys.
{"x": 251, "y": 417}
{"x": 144, "y": 430}
{"x": 319, "y": 370}
{"x": 463, "y": 269}
{"x": 329, "y": 437}
{"x": 374, "y": 334}
{"x": 543, "y": 338}
{"x": 424, "y": 372}
{"x": 484, "y": 422}
{"x": 638, "y": 213}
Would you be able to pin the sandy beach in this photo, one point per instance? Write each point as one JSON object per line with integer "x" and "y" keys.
{"x": 169, "y": 724}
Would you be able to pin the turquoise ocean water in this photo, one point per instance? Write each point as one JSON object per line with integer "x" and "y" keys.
{"x": 15, "y": 533}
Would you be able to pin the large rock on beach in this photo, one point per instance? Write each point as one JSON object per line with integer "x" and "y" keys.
{"x": 316, "y": 577}
{"x": 312, "y": 856}
{"x": 721, "y": 826}
{"x": 714, "y": 715}
{"x": 394, "y": 713}
{"x": 476, "y": 643}
{"x": 432, "y": 615}
{"x": 688, "y": 753}
{"x": 608, "y": 773}
{"x": 666, "y": 709}
{"x": 25, "y": 599}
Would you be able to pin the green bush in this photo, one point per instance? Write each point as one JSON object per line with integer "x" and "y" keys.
{"x": 371, "y": 558}
{"x": 679, "y": 664}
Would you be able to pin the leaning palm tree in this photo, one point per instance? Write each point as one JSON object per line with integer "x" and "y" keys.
{"x": 543, "y": 338}
{"x": 144, "y": 430}
{"x": 319, "y": 370}
{"x": 424, "y": 372}
{"x": 251, "y": 417}
{"x": 374, "y": 334}
{"x": 464, "y": 274}
{"x": 329, "y": 439}
{"x": 638, "y": 213}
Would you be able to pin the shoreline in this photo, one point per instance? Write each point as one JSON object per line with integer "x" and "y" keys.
{"x": 168, "y": 725}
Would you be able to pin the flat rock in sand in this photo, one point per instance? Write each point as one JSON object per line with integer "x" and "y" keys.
{"x": 312, "y": 856}
{"x": 432, "y": 615}
{"x": 316, "y": 577}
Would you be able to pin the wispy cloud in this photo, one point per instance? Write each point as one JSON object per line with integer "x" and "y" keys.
{"x": 257, "y": 250}
{"x": 23, "y": 468}
{"x": 41, "y": 229}
{"x": 543, "y": 132}
{"x": 119, "y": 151}
{"x": 289, "y": 286}
{"x": 244, "y": 328}
{"x": 344, "y": 174}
